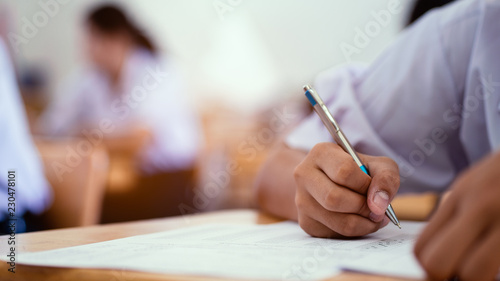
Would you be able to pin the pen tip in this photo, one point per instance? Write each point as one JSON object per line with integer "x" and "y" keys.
{"x": 399, "y": 226}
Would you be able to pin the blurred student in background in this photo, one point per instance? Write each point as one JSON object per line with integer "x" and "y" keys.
{"x": 133, "y": 93}
{"x": 30, "y": 194}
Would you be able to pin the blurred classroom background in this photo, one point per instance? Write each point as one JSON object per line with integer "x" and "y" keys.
{"x": 242, "y": 63}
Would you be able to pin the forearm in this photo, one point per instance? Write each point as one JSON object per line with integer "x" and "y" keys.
{"x": 275, "y": 186}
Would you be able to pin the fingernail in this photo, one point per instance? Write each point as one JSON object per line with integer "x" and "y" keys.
{"x": 381, "y": 199}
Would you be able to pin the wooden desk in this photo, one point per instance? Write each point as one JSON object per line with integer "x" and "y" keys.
{"x": 54, "y": 239}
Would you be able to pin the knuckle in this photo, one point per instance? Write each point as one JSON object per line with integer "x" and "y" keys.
{"x": 300, "y": 201}
{"x": 298, "y": 172}
{"x": 306, "y": 224}
{"x": 332, "y": 200}
{"x": 342, "y": 173}
{"x": 391, "y": 179}
{"x": 389, "y": 162}
{"x": 323, "y": 148}
{"x": 319, "y": 148}
{"x": 312, "y": 232}
{"x": 301, "y": 172}
{"x": 348, "y": 228}
{"x": 390, "y": 166}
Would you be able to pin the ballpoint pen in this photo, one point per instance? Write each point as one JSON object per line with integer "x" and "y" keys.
{"x": 339, "y": 137}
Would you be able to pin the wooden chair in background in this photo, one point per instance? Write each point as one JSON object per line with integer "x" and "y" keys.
{"x": 78, "y": 181}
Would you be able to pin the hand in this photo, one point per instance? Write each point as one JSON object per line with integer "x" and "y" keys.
{"x": 463, "y": 237}
{"x": 334, "y": 198}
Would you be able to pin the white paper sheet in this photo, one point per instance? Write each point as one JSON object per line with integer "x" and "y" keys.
{"x": 394, "y": 255}
{"x": 279, "y": 251}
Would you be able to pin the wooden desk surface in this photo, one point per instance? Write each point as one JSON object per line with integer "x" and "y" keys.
{"x": 54, "y": 239}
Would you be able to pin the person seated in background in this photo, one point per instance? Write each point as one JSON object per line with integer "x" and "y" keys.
{"x": 424, "y": 117}
{"x": 134, "y": 99}
{"x": 28, "y": 194}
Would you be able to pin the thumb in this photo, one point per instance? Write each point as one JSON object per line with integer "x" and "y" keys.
{"x": 383, "y": 187}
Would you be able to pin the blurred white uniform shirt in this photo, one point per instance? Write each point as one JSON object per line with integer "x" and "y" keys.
{"x": 17, "y": 151}
{"x": 150, "y": 93}
{"x": 431, "y": 101}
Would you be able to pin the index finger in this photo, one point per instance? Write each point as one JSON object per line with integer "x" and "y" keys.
{"x": 340, "y": 168}
{"x": 333, "y": 197}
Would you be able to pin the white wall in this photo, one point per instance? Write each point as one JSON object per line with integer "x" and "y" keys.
{"x": 250, "y": 55}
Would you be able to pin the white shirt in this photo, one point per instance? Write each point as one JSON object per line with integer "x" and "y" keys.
{"x": 431, "y": 101}
{"x": 150, "y": 93}
{"x": 17, "y": 151}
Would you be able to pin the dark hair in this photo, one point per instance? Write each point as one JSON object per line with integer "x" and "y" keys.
{"x": 423, "y": 6}
{"x": 111, "y": 19}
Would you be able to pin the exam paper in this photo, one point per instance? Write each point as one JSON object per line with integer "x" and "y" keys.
{"x": 279, "y": 251}
{"x": 394, "y": 255}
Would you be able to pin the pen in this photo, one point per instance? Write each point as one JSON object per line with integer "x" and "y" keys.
{"x": 339, "y": 137}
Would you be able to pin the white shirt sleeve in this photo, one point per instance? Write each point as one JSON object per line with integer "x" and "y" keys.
{"x": 395, "y": 106}
{"x": 176, "y": 129}
{"x": 72, "y": 107}
{"x": 17, "y": 151}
